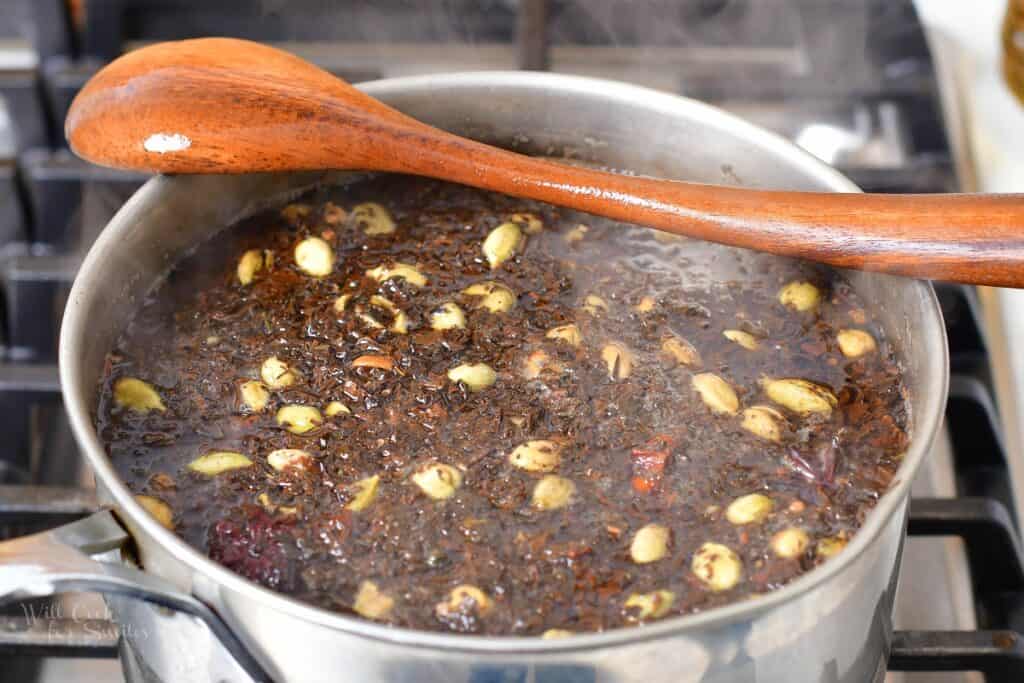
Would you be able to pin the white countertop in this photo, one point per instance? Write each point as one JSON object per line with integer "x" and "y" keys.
{"x": 965, "y": 39}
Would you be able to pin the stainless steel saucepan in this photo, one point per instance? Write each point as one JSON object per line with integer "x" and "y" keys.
{"x": 189, "y": 619}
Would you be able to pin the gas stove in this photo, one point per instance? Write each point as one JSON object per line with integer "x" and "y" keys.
{"x": 854, "y": 83}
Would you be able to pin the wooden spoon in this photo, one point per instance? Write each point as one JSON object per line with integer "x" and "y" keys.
{"x": 219, "y": 105}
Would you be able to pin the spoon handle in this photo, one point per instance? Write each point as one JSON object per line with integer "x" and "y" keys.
{"x": 970, "y": 238}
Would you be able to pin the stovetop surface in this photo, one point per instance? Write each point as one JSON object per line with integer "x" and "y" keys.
{"x": 851, "y": 82}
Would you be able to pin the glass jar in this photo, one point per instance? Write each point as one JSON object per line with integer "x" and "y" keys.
{"x": 1013, "y": 47}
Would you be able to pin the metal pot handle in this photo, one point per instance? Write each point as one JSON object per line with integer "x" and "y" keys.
{"x": 58, "y": 561}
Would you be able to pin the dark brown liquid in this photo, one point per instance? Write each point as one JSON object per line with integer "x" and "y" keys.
{"x": 202, "y": 334}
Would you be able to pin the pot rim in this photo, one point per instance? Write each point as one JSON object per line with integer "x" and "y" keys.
{"x": 926, "y": 424}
